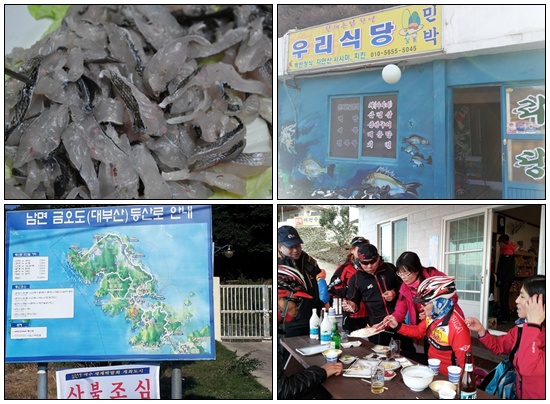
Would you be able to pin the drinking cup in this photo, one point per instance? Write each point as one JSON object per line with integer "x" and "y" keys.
{"x": 377, "y": 380}
{"x": 396, "y": 349}
{"x": 447, "y": 394}
{"x": 332, "y": 357}
{"x": 434, "y": 365}
{"x": 454, "y": 374}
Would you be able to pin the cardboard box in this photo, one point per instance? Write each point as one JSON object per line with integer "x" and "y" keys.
{"x": 492, "y": 322}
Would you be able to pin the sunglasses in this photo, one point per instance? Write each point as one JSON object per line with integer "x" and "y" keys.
{"x": 297, "y": 301}
{"x": 370, "y": 262}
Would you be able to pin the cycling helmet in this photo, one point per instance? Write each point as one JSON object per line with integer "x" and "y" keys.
{"x": 435, "y": 287}
{"x": 290, "y": 283}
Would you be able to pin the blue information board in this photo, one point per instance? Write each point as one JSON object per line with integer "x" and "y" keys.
{"x": 120, "y": 283}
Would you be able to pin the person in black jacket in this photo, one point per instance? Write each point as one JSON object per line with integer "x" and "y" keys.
{"x": 290, "y": 253}
{"x": 307, "y": 383}
{"x": 375, "y": 283}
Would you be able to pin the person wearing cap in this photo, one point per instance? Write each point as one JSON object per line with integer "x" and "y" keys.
{"x": 306, "y": 384}
{"x": 338, "y": 287}
{"x": 505, "y": 275}
{"x": 290, "y": 253}
{"x": 446, "y": 331}
{"x": 376, "y": 284}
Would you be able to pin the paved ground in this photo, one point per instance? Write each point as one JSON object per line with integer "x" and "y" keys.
{"x": 263, "y": 351}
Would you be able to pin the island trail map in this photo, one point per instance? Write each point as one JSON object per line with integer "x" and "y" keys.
{"x": 124, "y": 283}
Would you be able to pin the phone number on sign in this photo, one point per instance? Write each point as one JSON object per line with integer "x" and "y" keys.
{"x": 394, "y": 51}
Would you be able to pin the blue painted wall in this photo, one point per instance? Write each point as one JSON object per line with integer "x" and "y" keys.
{"x": 305, "y": 169}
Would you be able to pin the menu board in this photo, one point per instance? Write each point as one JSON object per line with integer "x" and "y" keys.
{"x": 345, "y": 116}
{"x": 379, "y": 126}
{"x": 373, "y": 116}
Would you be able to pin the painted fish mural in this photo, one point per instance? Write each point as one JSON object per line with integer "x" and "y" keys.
{"x": 312, "y": 169}
{"x": 411, "y": 149}
{"x": 416, "y": 140}
{"x": 419, "y": 160}
{"x": 384, "y": 179}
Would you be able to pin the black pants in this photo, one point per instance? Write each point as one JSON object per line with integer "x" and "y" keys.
{"x": 350, "y": 324}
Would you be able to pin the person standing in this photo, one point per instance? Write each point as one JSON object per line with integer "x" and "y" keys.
{"x": 505, "y": 275}
{"x": 340, "y": 281}
{"x": 376, "y": 284}
{"x": 290, "y": 253}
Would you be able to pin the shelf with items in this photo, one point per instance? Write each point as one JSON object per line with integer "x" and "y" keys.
{"x": 525, "y": 264}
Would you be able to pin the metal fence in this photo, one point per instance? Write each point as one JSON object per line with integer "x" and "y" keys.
{"x": 246, "y": 311}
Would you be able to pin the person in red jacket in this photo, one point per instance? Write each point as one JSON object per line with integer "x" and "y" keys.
{"x": 530, "y": 358}
{"x": 411, "y": 271}
{"x": 447, "y": 333}
{"x": 338, "y": 287}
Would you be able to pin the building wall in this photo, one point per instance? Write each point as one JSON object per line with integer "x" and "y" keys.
{"x": 423, "y": 222}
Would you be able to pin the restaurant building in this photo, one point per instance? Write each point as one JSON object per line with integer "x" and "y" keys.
{"x": 461, "y": 240}
{"x": 462, "y": 116}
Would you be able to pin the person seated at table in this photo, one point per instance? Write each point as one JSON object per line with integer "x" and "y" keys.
{"x": 339, "y": 287}
{"x": 413, "y": 273}
{"x": 291, "y": 292}
{"x": 445, "y": 329}
{"x": 526, "y": 342}
{"x": 376, "y": 284}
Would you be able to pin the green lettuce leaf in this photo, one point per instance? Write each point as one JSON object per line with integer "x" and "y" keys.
{"x": 56, "y": 13}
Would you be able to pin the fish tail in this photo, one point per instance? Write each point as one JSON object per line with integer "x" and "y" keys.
{"x": 330, "y": 170}
{"x": 411, "y": 187}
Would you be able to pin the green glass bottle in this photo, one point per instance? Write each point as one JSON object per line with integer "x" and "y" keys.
{"x": 335, "y": 337}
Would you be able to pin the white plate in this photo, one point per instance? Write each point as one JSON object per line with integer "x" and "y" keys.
{"x": 389, "y": 365}
{"x": 381, "y": 349}
{"x": 312, "y": 350}
{"x": 351, "y": 344}
{"x": 360, "y": 368}
{"x": 365, "y": 333}
{"x": 349, "y": 359}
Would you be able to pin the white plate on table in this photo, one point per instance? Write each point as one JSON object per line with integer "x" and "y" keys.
{"x": 359, "y": 368}
{"x": 313, "y": 350}
{"x": 365, "y": 332}
{"x": 390, "y": 365}
{"x": 381, "y": 349}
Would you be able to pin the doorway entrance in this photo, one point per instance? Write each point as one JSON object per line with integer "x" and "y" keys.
{"x": 477, "y": 142}
{"x": 522, "y": 225}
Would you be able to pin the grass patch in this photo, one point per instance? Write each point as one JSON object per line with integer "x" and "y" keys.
{"x": 227, "y": 377}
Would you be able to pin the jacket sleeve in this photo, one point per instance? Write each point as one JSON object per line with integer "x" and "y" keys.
{"x": 401, "y": 307}
{"x": 300, "y": 383}
{"x": 502, "y": 344}
{"x": 353, "y": 293}
{"x": 531, "y": 355}
{"x": 323, "y": 291}
{"x": 461, "y": 339}
{"x": 413, "y": 331}
{"x": 340, "y": 290}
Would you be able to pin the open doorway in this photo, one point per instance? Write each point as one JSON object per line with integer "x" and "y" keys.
{"x": 522, "y": 225}
{"x": 477, "y": 143}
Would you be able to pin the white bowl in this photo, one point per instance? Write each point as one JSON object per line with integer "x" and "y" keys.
{"x": 418, "y": 377}
{"x": 347, "y": 359}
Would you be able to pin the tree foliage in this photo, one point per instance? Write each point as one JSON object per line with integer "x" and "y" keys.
{"x": 336, "y": 219}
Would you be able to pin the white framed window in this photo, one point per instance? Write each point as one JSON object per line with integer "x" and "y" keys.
{"x": 392, "y": 239}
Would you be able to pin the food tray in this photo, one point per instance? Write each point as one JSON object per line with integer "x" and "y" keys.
{"x": 359, "y": 368}
{"x": 312, "y": 350}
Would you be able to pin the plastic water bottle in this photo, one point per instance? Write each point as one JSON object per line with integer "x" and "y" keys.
{"x": 314, "y": 325}
{"x": 326, "y": 329}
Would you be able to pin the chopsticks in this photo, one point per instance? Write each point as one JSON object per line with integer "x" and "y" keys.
{"x": 381, "y": 325}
